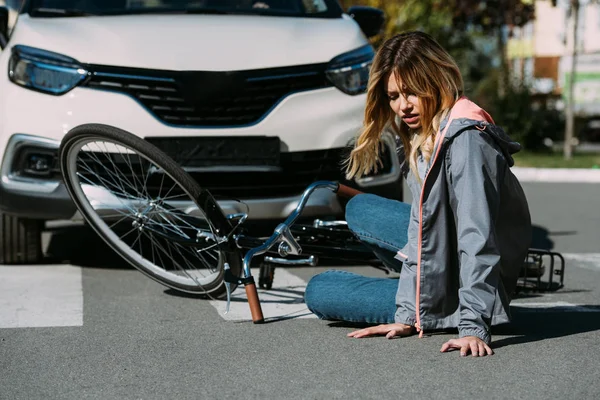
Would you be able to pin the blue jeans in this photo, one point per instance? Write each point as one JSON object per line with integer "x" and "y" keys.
{"x": 382, "y": 225}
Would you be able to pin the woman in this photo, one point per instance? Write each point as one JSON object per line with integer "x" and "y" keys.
{"x": 461, "y": 244}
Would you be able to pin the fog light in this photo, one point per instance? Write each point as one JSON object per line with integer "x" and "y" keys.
{"x": 36, "y": 163}
{"x": 39, "y": 164}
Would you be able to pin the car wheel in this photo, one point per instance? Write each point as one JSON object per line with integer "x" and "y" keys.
{"x": 20, "y": 240}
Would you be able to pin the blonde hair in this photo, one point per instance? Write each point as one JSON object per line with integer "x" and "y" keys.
{"x": 426, "y": 70}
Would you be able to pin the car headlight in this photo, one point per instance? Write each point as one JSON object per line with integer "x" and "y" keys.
{"x": 44, "y": 71}
{"x": 349, "y": 72}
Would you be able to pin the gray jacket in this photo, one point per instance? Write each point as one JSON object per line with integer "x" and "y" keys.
{"x": 469, "y": 232}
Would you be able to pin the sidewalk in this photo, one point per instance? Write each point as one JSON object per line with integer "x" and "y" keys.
{"x": 582, "y": 175}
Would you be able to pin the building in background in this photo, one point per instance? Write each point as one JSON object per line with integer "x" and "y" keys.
{"x": 540, "y": 55}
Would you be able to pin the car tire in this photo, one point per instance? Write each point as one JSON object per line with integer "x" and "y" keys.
{"x": 20, "y": 240}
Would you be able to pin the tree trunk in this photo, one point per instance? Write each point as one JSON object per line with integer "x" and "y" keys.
{"x": 570, "y": 114}
{"x": 503, "y": 78}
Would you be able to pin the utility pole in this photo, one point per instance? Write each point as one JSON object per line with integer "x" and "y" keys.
{"x": 570, "y": 114}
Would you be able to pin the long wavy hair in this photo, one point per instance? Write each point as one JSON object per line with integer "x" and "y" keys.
{"x": 425, "y": 69}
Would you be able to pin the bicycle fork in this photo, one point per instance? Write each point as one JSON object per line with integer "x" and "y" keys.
{"x": 286, "y": 245}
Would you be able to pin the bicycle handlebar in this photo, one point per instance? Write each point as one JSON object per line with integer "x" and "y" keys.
{"x": 283, "y": 228}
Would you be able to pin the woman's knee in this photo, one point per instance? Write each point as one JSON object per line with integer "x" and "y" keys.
{"x": 326, "y": 291}
{"x": 379, "y": 221}
{"x": 315, "y": 295}
{"x": 357, "y": 211}
{"x": 345, "y": 296}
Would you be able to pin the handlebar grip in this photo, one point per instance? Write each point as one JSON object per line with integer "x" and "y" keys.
{"x": 347, "y": 191}
{"x": 254, "y": 303}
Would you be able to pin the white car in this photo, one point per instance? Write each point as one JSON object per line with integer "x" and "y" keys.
{"x": 256, "y": 99}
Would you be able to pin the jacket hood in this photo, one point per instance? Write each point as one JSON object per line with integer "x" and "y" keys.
{"x": 466, "y": 114}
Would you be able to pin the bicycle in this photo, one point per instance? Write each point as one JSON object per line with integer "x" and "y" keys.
{"x": 151, "y": 212}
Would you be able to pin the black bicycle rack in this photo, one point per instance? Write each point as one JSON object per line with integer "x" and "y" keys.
{"x": 544, "y": 270}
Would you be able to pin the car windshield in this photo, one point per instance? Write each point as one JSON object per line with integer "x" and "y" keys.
{"x": 297, "y": 8}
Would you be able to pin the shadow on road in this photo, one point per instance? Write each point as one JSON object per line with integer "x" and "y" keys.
{"x": 547, "y": 323}
{"x": 540, "y": 238}
{"x": 530, "y": 325}
{"x": 80, "y": 245}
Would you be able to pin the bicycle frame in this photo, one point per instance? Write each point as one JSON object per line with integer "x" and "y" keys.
{"x": 286, "y": 244}
{"x": 282, "y": 238}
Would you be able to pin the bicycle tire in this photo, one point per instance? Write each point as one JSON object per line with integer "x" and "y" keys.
{"x": 158, "y": 221}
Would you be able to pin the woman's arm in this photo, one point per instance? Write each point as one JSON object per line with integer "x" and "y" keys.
{"x": 475, "y": 173}
{"x": 389, "y": 330}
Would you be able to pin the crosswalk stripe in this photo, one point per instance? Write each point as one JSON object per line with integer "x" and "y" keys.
{"x": 583, "y": 260}
{"x": 40, "y": 296}
{"x": 557, "y": 174}
{"x": 51, "y": 296}
{"x": 557, "y": 306}
{"x": 284, "y": 301}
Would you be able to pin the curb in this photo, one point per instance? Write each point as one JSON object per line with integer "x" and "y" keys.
{"x": 575, "y": 175}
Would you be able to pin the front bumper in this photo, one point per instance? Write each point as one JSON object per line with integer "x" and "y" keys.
{"x": 48, "y": 199}
{"x": 29, "y": 197}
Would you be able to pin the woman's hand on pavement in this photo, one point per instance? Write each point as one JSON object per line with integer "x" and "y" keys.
{"x": 468, "y": 344}
{"x": 389, "y": 330}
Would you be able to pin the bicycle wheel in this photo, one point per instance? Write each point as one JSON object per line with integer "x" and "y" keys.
{"x": 148, "y": 209}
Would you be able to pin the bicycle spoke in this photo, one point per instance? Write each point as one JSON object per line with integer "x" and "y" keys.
{"x": 144, "y": 216}
{"x": 118, "y": 222}
{"x": 125, "y": 205}
{"x": 120, "y": 195}
{"x": 170, "y": 255}
{"x": 165, "y": 199}
{"x": 117, "y": 178}
{"x": 110, "y": 159}
{"x": 127, "y": 234}
{"x": 127, "y": 157}
{"x": 186, "y": 223}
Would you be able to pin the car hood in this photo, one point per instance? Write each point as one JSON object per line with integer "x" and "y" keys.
{"x": 191, "y": 42}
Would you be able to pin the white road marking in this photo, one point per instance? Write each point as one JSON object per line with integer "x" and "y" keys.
{"x": 585, "y": 175}
{"x": 40, "y": 296}
{"x": 51, "y": 295}
{"x": 584, "y": 260}
{"x": 284, "y": 301}
{"x": 557, "y": 306}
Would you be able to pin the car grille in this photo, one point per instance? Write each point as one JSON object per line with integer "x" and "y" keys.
{"x": 207, "y": 98}
{"x": 297, "y": 170}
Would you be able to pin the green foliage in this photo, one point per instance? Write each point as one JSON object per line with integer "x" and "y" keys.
{"x": 434, "y": 17}
{"x": 526, "y": 119}
{"x": 431, "y": 16}
{"x": 448, "y": 18}
{"x": 470, "y": 30}
{"x": 489, "y": 15}
{"x": 556, "y": 160}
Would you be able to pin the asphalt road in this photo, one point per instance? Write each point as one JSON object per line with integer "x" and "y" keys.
{"x": 110, "y": 333}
